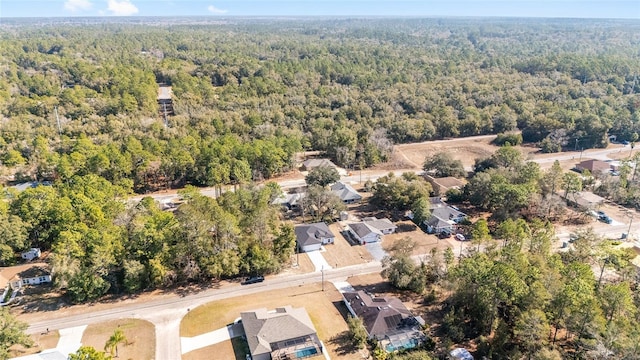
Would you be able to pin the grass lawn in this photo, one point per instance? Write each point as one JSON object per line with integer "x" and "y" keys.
{"x": 140, "y": 335}
{"x": 41, "y": 342}
{"x": 324, "y": 308}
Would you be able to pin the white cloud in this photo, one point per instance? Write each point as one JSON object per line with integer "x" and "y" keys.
{"x": 77, "y": 5}
{"x": 122, "y": 8}
{"x": 214, "y": 10}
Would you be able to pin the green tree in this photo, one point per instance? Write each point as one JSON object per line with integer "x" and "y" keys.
{"x": 89, "y": 353}
{"x": 532, "y": 329}
{"x": 11, "y": 333}
{"x": 115, "y": 339}
{"x": 322, "y": 176}
{"x": 357, "y": 331}
{"x": 442, "y": 165}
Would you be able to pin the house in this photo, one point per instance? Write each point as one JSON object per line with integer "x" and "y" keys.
{"x": 364, "y": 233}
{"x": 27, "y": 274}
{"x": 33, "y": 253}
{"x": 460, "y": 354}
{"x": 384, "y": 225}
{"x": 594, "y": 166}
{"x": 346, "y": 193}
{"x": 444, "y": 219}
{"x": 370, "y": 230}
{"x": 386, "y": 319}
{"x": 285, "y": 333}
{"x": 436, "y": 202}
{"x": 442, "y": 185}
{"x": 587, "y": 200}
{"x": 290, "y": 201}
{"x": 314, "y": 163}
{"x": 310, "y": 237}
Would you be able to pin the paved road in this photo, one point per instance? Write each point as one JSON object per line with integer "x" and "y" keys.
{"x": 167, "y": 312}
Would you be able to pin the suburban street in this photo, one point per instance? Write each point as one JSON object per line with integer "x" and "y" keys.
{"x": 166, "y": 312}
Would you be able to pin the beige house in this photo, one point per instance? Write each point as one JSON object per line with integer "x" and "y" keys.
{"x": 442, "y": 185}
{"x": 283, "y": 333}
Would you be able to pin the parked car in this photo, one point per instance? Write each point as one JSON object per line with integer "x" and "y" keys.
{"x": 460, "y": 237}
{"x": 573, "y": 237}
{"x": 253, "y": 280}
{"x": 606, "y": 219}
{"x": 444, "y": 234}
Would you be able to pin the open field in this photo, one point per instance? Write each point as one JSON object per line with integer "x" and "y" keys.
{"x": 325, "y": 309}
{"x": 140, "y": 335}
{"x": 41, "y": 342}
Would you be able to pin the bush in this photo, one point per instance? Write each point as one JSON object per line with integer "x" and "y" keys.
{"x": 508, "y": 139}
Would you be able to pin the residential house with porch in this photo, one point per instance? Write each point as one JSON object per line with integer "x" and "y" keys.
{"x": 386, "y": 320}
{"x": 285, "y": 333}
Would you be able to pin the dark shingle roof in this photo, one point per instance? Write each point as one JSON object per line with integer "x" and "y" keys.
{"x": 380, "y": 314}
{"x": 309, "y": 234}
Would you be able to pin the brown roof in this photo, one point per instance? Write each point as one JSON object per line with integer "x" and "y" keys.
{"x": 594, "y": 165}
{"x": 379, "y": 314}
{"x": 23, "y": 271}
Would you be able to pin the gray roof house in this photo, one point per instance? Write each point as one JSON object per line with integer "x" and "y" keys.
{"x": 443, "y": 219}
{"x": 310, "y": 237}
{"x": 314, "y": 163}
{"x": 290, "y": 201}
{"x": 364, "y": 233}
{"x": 386, "y": 319}
{"x": 284, "y": 333}
{"x": 346, "y": 192}
{"x": 371, "y": 229}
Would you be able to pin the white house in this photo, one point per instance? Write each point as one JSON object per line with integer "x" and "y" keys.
{"x": 310, "y": 237}
{"x": 31, "y": 254}
{"x": 384, "y": 225}
{"x": 35, "y": 275}
{"x": 364, "y": 233}
{"x": 371, "y": 230}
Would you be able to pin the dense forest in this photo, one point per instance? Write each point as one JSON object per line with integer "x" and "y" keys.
{"x": 78, "y": 101}
{"x": 79, "y": 97}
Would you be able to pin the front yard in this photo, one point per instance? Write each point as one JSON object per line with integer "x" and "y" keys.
{"x": 325, "y": 309}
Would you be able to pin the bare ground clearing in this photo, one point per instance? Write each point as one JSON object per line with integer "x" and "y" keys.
{"x": 41, "y": 342}
{"x": 140, "y": 335}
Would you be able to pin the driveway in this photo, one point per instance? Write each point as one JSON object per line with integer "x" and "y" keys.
{"x": 211, "y": 338}
{"x": 69, "y": 342}
{"x": 318, "y": 260}
{"x": 376, "y": 250}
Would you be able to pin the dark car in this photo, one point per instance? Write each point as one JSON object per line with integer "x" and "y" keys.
{"x": 253, "y": 280}
{"x": 444, "y": 234}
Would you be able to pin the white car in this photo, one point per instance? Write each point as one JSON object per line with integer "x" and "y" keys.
{"x": 460, "y": 237}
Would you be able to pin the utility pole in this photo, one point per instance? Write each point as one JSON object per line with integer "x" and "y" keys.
{"x": 630, "y": 214}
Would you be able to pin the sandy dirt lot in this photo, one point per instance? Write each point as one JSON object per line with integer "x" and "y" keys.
{"x": 41, "y": 342}
{"x": 325, "y": 309}
{"x": 465, "y": 150}
{"x": 140, "y": 335}
{"x": 342, "y": 253}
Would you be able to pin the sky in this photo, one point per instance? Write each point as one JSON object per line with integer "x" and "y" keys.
{"x": 624, "y": 9}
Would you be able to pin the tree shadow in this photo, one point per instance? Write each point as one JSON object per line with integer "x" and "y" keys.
{"x": 343, "y": 345}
